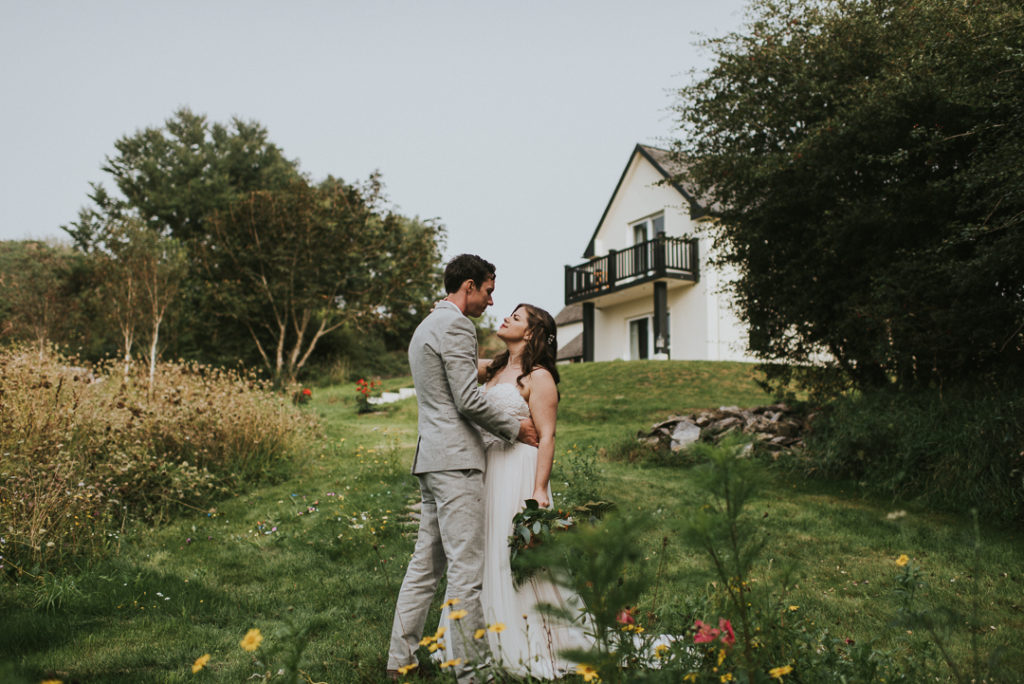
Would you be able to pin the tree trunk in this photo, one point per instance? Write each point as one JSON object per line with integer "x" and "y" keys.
{"x": 152, "y": 355}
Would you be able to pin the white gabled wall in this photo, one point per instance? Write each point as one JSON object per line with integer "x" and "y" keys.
{"x": 640, "y": 196}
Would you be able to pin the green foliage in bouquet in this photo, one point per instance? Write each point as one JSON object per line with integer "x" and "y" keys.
{"x": 535, "y": 526}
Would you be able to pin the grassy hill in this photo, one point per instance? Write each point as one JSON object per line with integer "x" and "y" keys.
{"x": 605, "y": 402}
{"x": 314, "y": 562}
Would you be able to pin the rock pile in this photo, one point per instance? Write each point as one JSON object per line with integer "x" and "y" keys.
{"x": 777, "y": 426}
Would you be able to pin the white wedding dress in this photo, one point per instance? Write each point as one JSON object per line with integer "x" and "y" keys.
{"x": 530, "y": 642}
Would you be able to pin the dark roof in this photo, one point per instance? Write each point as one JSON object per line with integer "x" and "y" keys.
{"x": 669, "y": 169}
{"x": 573, "y": 350}
{"x": 570, "y": 314}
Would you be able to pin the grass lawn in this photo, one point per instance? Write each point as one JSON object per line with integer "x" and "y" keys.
{"x": 315, "y": 562}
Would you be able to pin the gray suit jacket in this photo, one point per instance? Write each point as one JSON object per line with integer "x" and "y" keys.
{"x": 443, "y": 358}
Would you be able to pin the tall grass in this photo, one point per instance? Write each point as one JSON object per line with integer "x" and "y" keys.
{"x": 82, "y": 449}
{"x": 959, "y": 450}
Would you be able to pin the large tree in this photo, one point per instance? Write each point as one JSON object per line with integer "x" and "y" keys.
{"x": 863, "y": 158}
{"x": 293, "y": 265}
{"x": 176, "y": 175}
{"x": 172, "y": 178}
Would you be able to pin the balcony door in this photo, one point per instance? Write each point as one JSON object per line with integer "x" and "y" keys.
{"x": 643, "y": 232}
{"x": 639, "y": 261}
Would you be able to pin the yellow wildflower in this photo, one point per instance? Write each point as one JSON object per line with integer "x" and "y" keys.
{"x": 52, "y": 681}
{"x": 479, "y": 634}
{"x": 902, "y": 560}
{"x": 721, "y": 657}
{"x": 727, "y": 677}
{"x": 451, "y": 602}
{"x": 794, "y": 607}
{"x": 252, "y": 640}
{"x": 457, "y": 614}
{"x": 497, "y": 627}
{"x": 589, "y": 674}
{"x": 426, "y": 640}
{"x": 406, "y": 669}
{"x": 440, "y": 632}
{"x": 200, "y": 662}
{"x": 692, "y": 677}
{"x": 451, "y": 663}
{"x": 778, "y": 672}
{"x": 434, "y": 646}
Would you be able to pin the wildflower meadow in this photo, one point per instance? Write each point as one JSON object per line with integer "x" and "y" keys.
{"x": 719, "y": 567}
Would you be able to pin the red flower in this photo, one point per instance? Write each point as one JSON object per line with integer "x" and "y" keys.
{"x": 705, "y": 633}
{"x": 728, "y": 636}
{"x": 625, "y": 617}
{"x": 307, "y": 392}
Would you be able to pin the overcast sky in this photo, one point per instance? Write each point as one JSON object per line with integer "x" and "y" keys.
{"x": 508, "y": 121}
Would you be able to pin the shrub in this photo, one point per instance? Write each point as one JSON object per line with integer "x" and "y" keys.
{"x": 82, "y": 450}
{"x": 578, "y": 468}
{"x": 957, "y": 450}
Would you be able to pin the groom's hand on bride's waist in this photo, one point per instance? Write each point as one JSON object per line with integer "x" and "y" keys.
{"x": 527, "y": 433}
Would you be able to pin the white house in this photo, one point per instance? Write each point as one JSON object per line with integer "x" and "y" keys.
{"x": 647, "y": 290}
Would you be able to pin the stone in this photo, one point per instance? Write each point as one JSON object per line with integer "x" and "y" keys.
{"x": 686, "y": 432}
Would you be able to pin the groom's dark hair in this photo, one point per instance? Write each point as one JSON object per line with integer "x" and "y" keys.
{"x": 466, "y": 267}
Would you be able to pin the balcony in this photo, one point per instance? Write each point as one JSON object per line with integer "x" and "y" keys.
{"x": 662, "y": 257}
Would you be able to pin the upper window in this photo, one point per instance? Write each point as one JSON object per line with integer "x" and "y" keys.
{"x": 639, "y": 232}
{"x": 648, "y": 229}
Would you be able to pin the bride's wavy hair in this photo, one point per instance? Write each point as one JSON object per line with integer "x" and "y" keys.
{"x": 541, "y": 346}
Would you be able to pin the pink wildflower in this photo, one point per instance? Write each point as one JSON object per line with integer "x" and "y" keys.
{"x": 728, "y": 635}
{"x": 705, "y": 633}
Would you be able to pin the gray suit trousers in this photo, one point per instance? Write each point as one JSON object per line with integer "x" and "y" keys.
{"x": 451, "y": 533}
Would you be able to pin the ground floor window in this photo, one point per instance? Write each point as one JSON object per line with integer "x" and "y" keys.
{"x": 640, "y": 338}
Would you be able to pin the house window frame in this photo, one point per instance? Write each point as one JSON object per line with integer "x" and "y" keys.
{"x": 648, "y": 223}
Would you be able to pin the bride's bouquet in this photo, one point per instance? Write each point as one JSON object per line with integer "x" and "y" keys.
{"x": 535, "y": 526}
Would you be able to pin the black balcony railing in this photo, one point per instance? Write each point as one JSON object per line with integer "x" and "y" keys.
{"x": 662, "y": 257}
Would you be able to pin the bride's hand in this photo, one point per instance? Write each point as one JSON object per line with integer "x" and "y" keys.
{"x": 541, "y": 496}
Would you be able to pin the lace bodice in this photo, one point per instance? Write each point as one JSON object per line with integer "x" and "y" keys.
{"x": 506, "y": 397}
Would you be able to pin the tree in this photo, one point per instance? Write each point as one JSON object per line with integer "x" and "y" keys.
{"x": 143, "y": 273}
{"x": 176, "y": 176}
{"x": 38, "y": 292}
{"x": 173, "y": 178}
{"x": 863, "y": 160}
{"x": 162, "y": 269}
{"x": 120, "y": 287}
{"x": 293, "y": 265}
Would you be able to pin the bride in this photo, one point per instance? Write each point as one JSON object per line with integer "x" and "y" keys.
{"x": 523, "y": 381}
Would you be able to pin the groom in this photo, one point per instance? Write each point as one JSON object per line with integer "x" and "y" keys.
{"x": 449, "y": 463}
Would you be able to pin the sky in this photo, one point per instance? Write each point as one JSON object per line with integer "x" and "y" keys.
{"x": 509, "y": 122}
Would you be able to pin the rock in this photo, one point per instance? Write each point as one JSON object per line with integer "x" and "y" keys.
{"x": 704, "y": 418}
{"x": 777, "y": 427}
{"x": 686, "y": 432}
{"x": 720, "y": 426}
